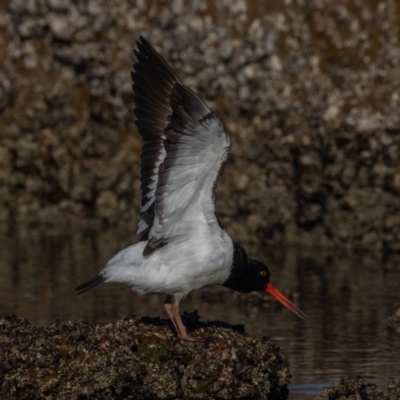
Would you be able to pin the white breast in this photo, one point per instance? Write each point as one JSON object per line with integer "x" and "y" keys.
{"x": 196, "y": 257}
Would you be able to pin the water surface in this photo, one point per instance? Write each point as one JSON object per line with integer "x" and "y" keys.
{"x": 347, "y": 298}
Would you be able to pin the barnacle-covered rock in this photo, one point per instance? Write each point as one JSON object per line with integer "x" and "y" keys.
{"x": 354, "y": 388}
{"x": 138, "y": 359}
{"x": 309, "y": 93}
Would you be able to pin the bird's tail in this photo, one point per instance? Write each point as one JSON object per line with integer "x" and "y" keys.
{"x": 90, "y": 284}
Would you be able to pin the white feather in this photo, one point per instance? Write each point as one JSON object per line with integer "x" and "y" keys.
{"x": 192, "y": 260}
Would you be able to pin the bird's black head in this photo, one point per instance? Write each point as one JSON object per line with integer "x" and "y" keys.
{"x": 248, "y": 275}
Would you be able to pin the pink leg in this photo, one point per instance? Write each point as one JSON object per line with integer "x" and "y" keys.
{"x": 172, "y": 307}
{"x": 168, "y": 309}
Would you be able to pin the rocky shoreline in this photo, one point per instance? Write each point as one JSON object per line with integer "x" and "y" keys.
{"x": 138, "y": 359}
{"x": 143, "y": 359}
{"x": 310, "y": 94}
{"x": 354, "y": 388}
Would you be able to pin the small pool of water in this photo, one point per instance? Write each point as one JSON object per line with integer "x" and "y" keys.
{"x": 307, "y": 390}
{"x": 347, "y": 299}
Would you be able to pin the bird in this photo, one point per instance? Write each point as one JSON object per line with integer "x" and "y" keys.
{"x": 182, "y": 245}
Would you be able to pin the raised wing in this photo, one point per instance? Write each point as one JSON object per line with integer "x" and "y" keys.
{"x": 153, "y": 81}
{"x": 185, "y": 147}
{"x": 197, "y": 147}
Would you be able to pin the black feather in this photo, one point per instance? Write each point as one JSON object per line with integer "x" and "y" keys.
{"x": 90, "y": 284}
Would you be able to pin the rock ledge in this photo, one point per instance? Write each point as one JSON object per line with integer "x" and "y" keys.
{"x": 137, "y": 359}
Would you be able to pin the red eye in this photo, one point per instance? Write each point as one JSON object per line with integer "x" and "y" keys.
{"x": 263, "y": 273}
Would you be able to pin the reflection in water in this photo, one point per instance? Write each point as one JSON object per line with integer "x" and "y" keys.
{"x": 346, "y": 298}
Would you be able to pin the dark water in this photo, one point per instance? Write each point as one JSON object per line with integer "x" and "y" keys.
{"x": 347, "y": 299}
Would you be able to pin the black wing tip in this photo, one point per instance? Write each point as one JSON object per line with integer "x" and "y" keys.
{"x": 90, "y": 284}
{"x": 143, "y": 40}
{"x": 142, "y": 43}
{"x": 145, "y": 50}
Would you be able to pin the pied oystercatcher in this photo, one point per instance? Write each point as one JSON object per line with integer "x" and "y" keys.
{"x": 182, "y": 244}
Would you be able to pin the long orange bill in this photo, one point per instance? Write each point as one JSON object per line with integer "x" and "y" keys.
{"x": 273, "y": 291}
